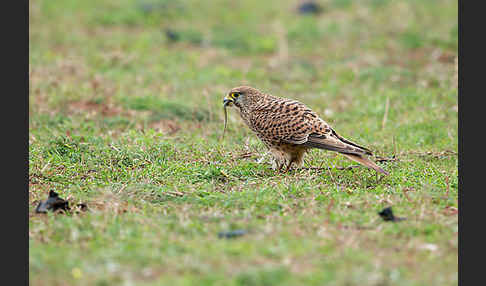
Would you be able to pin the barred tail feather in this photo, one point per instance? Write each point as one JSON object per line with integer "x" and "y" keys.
{"x": 367, "y": 162}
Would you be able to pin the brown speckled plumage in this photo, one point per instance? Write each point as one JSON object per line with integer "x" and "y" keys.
{"x": 289, "y": 128}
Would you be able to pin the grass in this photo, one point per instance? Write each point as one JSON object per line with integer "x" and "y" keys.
{"x": 125, "y": 114}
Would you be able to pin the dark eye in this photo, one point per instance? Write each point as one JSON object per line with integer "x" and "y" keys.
{"x": 236, "y": 94}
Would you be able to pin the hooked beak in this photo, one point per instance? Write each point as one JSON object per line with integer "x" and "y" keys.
{"x": 227, "y": 101}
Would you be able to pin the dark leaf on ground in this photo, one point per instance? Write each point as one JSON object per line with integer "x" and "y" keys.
{"x": 53, "y": 203}
{"x": 232, "y": 233}
{"x": 387, "y": 215}
{"x": 173, "y": 36}
{"x": 309, "y": 8}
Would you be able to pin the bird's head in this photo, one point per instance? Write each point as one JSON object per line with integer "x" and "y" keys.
{"x": 242, "y": 97}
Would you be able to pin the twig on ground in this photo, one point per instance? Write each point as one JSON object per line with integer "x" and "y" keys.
{"x": 329, "y": 168}
{"x": 385, "y": 116}
{"x": 174, "y": 193}
{"x": 448, "y": 186}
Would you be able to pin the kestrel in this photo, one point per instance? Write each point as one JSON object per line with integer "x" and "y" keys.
{"x": 289, "y": 129}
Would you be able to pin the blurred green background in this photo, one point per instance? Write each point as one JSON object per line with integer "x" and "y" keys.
{"x": 125, "y": 113}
